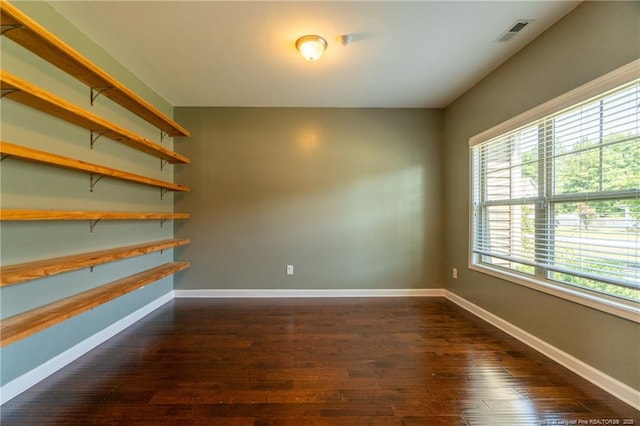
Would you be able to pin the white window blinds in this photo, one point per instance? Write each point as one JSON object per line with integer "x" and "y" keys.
{"x": 559, "y": 198}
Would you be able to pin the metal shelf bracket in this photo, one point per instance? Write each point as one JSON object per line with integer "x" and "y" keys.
{"x": 6, "y": 92}
{"x": 97, "y": 91}
{"x": 93, "y": 179}
{"x": 94, "y": 136}
{"x": 92, "y": 224}
{"x": 7, "y": 28}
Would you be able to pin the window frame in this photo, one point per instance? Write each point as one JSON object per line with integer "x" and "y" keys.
{"x": 616, "y": 306}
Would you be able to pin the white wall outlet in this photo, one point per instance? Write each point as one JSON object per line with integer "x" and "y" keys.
{"x": 454, "y": 273}
{"x": 289, "y": 269}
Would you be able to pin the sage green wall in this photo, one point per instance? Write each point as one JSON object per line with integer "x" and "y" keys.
{"x": 594, "y": 39}
{"x": 351, "y": 197}
{"x": 26, "y": 185}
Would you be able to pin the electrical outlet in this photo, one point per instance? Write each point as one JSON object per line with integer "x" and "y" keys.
{"x": 454, "y": 273}
{"x": 289, "y": 269}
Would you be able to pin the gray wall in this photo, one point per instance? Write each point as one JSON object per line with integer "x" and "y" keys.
{"x": 594, "y": 39}
{"x": 351, "y": 197}
{"x": 26, "y": 185}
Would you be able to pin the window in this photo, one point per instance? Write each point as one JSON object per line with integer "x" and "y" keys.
{"x": 556, "y": 201}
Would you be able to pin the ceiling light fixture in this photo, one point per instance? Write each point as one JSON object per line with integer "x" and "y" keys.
{"x": 311, "y": 47}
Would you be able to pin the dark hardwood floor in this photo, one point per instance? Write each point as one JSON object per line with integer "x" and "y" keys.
{"x": 391, "y": 361}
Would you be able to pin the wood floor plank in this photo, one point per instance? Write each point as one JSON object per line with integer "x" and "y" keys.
{"x": 395, "y": 361}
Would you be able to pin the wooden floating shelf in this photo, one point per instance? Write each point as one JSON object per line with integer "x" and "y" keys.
{"x": 37, "y": 98}
{"x": 28, "y": 215}
{"x": 42, "y": 157}
{"x": 32, "y": 36}
{"x": 15, "y": 274}
{"x": 27, "y": 323}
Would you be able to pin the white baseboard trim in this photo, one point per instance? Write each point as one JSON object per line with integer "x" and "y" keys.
{"x": 254, "y": 293}
{"x": 609, "y": 384}
{"x": 20, "y": 384}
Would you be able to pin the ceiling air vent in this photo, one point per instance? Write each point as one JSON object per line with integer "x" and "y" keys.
{"x": 514, "y": 29}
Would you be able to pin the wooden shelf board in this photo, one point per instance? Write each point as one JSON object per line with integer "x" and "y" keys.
{"x": 25, "y": 324}
{"x": 37, "y": 98}
{"x": 37, "y": 39}
{"x": 28, "y": 215}
{"x": 21, "y": 272}
{"x": 33, "y": 155}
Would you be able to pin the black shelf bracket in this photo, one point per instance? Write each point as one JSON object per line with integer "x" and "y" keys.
{"x": 163, "y": 135}
{"x": 92, "y": 224}
{"x": 163, "y": 191}
{"x": 6, "y": 92}
{"x": 94, "y": 136}
{"x": 163, "y": 163}
{"x": 97, "y": 91}
{"x": 93, "y": 179}
{"x": 7, "y": 28}
{"x": 3, "y": 156}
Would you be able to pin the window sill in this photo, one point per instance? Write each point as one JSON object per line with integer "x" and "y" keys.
{"x": 620, "y": 308}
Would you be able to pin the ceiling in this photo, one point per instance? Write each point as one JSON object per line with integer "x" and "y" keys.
{"x": 241, "y": 53}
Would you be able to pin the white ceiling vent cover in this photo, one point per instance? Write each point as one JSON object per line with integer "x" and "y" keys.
{"x": 514, "y": 29}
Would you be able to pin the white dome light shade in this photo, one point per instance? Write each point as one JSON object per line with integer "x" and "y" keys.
{"x": 311, "y": 47}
